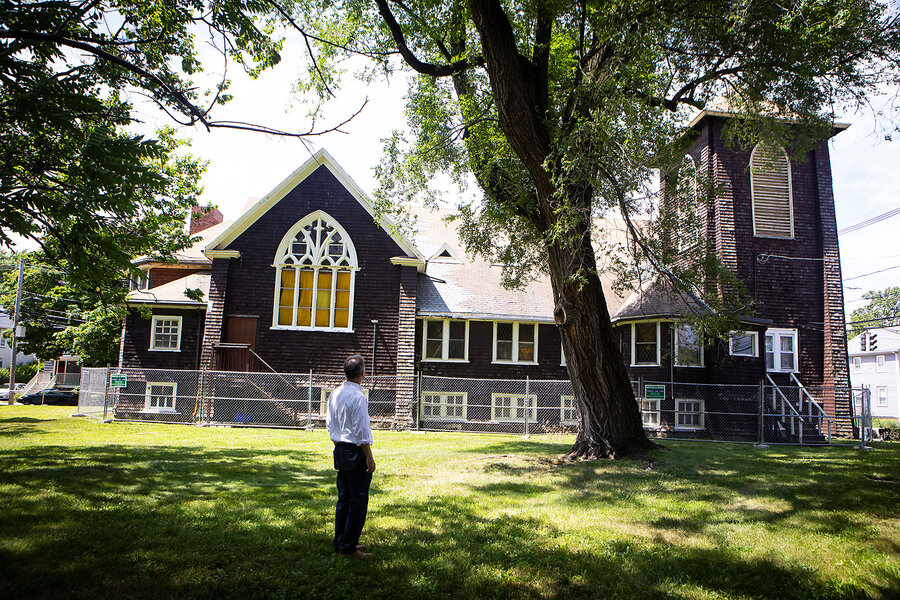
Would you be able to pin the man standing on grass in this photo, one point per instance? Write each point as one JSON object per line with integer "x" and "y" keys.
{"x": 347, "y": 420}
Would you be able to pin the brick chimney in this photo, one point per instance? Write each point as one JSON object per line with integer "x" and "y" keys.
{"x": 204, "y": 218}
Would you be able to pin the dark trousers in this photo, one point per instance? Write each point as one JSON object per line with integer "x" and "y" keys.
{"x": 353, "y": 496}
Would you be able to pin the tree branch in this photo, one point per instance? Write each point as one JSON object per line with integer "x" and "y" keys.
{"x": 411, "y": 59}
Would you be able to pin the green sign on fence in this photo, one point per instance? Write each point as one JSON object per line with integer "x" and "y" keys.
{"x": 118, "y": 380}
{"x": 655, "y": 392}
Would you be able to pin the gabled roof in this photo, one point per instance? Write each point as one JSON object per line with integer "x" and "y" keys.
{"x": 192, "y": 255}
{"x": 173, "y": 292}
{"x": 320, "y": 158}
{"x": 888, "y": 342}
{"x": 658, "y": 298}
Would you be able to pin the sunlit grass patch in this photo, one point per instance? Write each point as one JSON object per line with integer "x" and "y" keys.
{"x": 152, "y": 511}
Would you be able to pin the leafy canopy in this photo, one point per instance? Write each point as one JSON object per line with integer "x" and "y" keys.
{"x": 564, "y": 111}
{"x": 883, "y": 310}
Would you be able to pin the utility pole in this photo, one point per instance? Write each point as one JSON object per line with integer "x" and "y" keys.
{"x": 12, "y": 364}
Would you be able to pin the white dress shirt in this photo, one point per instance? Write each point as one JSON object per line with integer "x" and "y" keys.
{"x": 347, "y": 418}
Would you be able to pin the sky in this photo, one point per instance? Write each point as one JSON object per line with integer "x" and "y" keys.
{"x": 245, "y": 166}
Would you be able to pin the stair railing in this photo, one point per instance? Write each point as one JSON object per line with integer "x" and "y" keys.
{"x": 785, "y": 401}
{"x": 811, "y": 402}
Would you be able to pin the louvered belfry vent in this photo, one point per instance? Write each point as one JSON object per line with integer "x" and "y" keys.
{"x": 770, "y": 183}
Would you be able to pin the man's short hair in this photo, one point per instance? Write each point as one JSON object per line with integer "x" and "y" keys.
{"x": 354, "y": 366}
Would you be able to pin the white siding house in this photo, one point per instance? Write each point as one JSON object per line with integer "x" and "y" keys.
{"x": 878, "y": 368}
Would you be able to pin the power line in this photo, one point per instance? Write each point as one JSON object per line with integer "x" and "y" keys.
{"x": 872, "y": 273}
{"x": 872, "y": 221}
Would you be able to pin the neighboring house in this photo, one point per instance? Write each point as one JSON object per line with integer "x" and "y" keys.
{"x": 875, "y": 363}
{"x": 5, "y": 351}
{"x": 309, "y": 274}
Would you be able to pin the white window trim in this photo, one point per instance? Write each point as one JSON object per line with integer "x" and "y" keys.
{"x": 702, "y": 414}
{"x": 153, "y": 321}
{"x": 790, "y": 184}
{"x": 678, "y": 326}
{"x": 445, "y": 343}
{"x": 880, "y": 366}
{"x": 442, "y": 404}
{"x": 279, "y": 264}
{"x": 878, "y": 391}
{"x": 753, "y": 334}
{"x": 325, "y": 395}
{"x": 653, "y": 410}
{"x": 634, "y": 346}
{"x": 777, "y": 334}
{"x": 857, "y": 364}
{"x": 563, "y": 408}
{"x": 147, "y": 396}
{"x": 532, "y": 410}
{"x": 515, "y": 344}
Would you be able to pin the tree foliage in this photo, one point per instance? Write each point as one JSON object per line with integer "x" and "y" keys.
{"x": 883, "y": 310}
{"x": 72, "y": 176}
{"x": 60, "y": 315}
{"x": 562, "y": 111}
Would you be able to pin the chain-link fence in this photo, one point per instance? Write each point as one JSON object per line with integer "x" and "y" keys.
{"x": 765, "y": 413}
{"x": 233, "y": 398}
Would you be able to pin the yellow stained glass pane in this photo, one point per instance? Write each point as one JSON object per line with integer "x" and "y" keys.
{"x": 341, "y": 318}
{"x": 322, "y": 317}
{"x": 286, "y": 296}
{"x": 303, "y": 317}
{"x": 306, "y": 288}
{"x": 342, "y": 300}
{"x": 323, "y": 295}
{"x": 343, "y": 280}
{"x": 285, "y": 315}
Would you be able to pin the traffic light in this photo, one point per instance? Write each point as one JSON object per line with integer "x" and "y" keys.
{"x": 873, "y": 341}
{"x": 862, "y": 341}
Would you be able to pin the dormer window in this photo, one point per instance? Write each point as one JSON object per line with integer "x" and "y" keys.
{"x": 316, "y": 271}
{"x": 770, "y": 186}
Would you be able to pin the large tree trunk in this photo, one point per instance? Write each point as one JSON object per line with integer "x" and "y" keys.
{"x": 610, "y": 423}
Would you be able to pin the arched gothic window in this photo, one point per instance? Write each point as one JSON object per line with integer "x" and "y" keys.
{"x": 770, "y": 185}
{"x": 316, "y": 271}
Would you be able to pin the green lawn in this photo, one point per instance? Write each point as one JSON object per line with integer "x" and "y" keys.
{"x": 128, "y": 510}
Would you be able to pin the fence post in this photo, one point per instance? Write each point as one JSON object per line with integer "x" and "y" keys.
{"x": 309, "y": 401}
{"x": 106, "y": 394}
{"x": 416, "y": 397}
{"x": 762, "y": 411}
{"x": 527, "y": 406}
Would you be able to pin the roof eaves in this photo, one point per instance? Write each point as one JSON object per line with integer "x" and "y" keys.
{"x": 319, "y": 158}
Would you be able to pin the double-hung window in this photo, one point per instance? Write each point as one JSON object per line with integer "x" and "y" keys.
{"x": 160, "y": 396}
{"x": 688, "y": 346}
{"x": 743, "y": 343}
{"x": 567, "y": 414}
{"x": 857, "y": 364}
{"x": 450, "y": 406}
{"x": 315, "y": 275}
{"x": 515, "y": 342}
{"x": 512, "y": 407}
{"x": 645, "y": 343}
{"x": 781, "y": 350}
{"x": 688, "y": 414}
{"x": 881, "y": 397}
{"x": 445, "y": 340}
{"x": 165, "y": 333}
{"x": 879, "y": 363}
{"x": 649, "y": 412}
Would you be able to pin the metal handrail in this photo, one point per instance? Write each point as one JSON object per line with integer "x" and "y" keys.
{"x": 812, "y": 401}
{"x": 788, "y": 402}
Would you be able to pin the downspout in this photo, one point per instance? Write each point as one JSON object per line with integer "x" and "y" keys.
{"x": 374, "y": 338}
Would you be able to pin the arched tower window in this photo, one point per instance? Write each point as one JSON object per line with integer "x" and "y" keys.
{"x": 770, "y": 185}
{"x": 689, "y": 210}
{"x": 315, "y": 275}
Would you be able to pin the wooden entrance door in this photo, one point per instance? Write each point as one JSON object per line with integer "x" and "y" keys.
{"x": 243, "y": 329}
